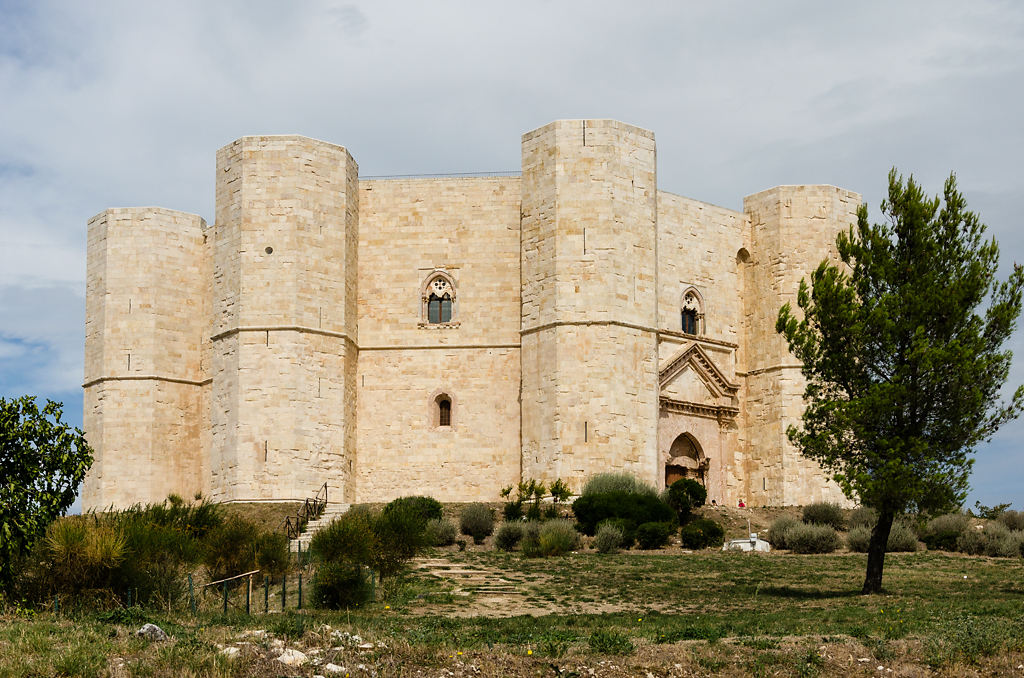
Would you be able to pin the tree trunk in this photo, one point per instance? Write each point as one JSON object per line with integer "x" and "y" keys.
{"x": 876, "y": 551}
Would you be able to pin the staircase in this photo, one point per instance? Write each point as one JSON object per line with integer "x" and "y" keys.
{"x": 331, "y": 511}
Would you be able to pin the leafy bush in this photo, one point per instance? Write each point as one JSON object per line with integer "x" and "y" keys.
{"x": 943, "y": 532}
{"x": 780, "y": 529}
{"x": 530, "y": 543}
{"x": 557, "y": 537}
{"x": 349, "y": 537}
{"x": 603, "y": 483}
{"x": 1014, "y": 520}
{"x": 825, "y": 513}
{"x": 591, "y": 509}
{"x": 626, "y": 527}
{"x": 401, "y": 535}
{"x": 702, "y": 533}
{"x": 999, "y": 542}
{"x": 863, "y": 516}
{"x": 427, "y": 508}
{"x": 684, "y": 495}
{"x": 477, "y": 522}
{"x": 810, "y": 538}
{"x": 512, "y": 510}
{"x": 340, "y": 585}
{"x": 440, "y": 532}
{"x": 654, "y": 535}
{"x": 608, "y": 538}
{"x": 508, "y": 536}
{"x": 902, "y": 538}
{"x": 1018, "y": 537}
{"x": 971, "y": 542}
{"x": 238, "y": 546}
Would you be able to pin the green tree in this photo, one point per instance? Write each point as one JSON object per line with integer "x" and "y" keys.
{"x": 902, "y": 353}
{"x": 42, "y": 463}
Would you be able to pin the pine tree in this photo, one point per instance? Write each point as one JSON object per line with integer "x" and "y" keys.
{"x": 902, "y": 350}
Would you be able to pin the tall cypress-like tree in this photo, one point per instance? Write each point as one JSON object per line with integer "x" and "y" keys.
{"x": 902, "y": 350}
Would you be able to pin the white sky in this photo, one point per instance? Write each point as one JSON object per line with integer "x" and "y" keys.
{"x": 124, "y": 103}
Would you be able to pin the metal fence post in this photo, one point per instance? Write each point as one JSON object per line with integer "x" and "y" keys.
{"x": 300, "y": 590}
{"x": 248, "y": 594}
{"x": 225, "y": 587}
{"x": 266, "y": 594}
{"x": 284, "y": 595}
{"x": 191, "y": 595}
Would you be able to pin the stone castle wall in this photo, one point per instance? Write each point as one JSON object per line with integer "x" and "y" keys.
{"x": 411, "y": 230}
{"x": 288, "y": 345}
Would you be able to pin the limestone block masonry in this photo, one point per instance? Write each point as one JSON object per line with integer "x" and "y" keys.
{"x": 449, "y": 335}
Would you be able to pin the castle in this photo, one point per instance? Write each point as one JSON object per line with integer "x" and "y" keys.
{"x": 449, "y": 335}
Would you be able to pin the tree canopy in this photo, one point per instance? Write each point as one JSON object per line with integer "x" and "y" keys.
{"x": 42, "y": 463}
{"x": 902, "y": 350}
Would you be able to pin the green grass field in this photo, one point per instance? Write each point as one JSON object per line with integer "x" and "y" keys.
{"x": 631, "y": 614}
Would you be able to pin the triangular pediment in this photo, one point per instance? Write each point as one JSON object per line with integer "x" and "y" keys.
{"x": 694, "y": 362}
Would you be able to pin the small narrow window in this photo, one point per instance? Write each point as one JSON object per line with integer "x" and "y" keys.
{"x": 689, "y": 321}
{"x": 444, "y": 412}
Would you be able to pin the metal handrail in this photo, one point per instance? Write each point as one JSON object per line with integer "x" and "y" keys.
{"x": 311, "y": 509}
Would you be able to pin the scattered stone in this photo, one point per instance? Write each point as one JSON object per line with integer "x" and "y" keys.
{"x": 258, "y": 634}
{"x": 366, "y": 646}
{"x": 151, "y": 632}
{"x": 230, "y": 652}
{"x": 334, "y": 668}
{"x": 276, "y": 644}
{"x": 864, "y": 660}
{"x": 292, "y": 657}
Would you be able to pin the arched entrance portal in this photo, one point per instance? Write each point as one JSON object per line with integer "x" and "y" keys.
{"x": 685, "y": 460}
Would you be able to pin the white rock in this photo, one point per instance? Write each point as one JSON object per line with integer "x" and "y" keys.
{"x": 151, "y": 632}
{"x": 292, "y": 658}
{"x": 334, "y": 668}
{"x": 366, "y": 646}
{"x": 230, "y": 652}
{"x": 277, "y": 644}
{"x": 258, "y": 634}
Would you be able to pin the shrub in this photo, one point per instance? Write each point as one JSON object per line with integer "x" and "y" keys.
{"x": 603, "y": 483}
{"x": 684, "y": 495}
{"x": 810, "y": 538}
{"x": 440, "y": 532}
{"x": 401, "y": 535}
{"x": 863, "y": 516}
{"x": 902, "y": 538}
{"x": 530, "y": 543}
{"x": 427, "y": 508}
{"x": 80, "y": 555}
{"x": 626, "y": 527}
{"x": 1018, "y": 538}
{"x": 512, "y": 510}
{"x": 998, "y": 541}
{"x": 349, "y": 537}
{"x": 638, "y": 509}
{"x": 654, "y": 535}
{"x": 702, "y": 533}
{"x": 508, "y": 536}
{"x": 238, "y": 546}
{"x": 477, "y": 522}
{"x": 557, "y": 537}
{"x": 340, "y": 585}
{"x": 971, "y": 542}
{"x": 1014, "y": 520}
{"x": 943, "y": 532}
{"x": 824, "y": 513}
{"x": 608, "y": 538}
{"x": 780, "y": 529}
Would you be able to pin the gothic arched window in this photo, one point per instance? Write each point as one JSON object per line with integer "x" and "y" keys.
{"x": 692, "y": 312}
{"x": 439, "y": 299}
